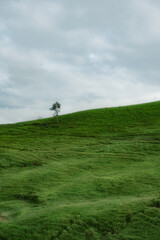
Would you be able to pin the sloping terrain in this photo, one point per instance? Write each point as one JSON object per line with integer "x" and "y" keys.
{"x": 94, "y": 176}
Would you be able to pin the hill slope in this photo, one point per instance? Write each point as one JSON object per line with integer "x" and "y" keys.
{"x": 94, "y": 176}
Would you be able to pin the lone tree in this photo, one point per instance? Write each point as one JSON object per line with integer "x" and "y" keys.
{"x": 56, "y": 108}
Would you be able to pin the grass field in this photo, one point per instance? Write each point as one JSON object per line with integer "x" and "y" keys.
{"x": 94, "y": 176}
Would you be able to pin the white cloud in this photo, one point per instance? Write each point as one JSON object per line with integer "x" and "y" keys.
{"x": 85, "y": 54}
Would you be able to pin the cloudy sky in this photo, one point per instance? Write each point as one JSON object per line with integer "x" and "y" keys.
{"x": 85, "y": 54}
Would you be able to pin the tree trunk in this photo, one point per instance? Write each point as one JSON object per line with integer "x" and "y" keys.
{"x": 57, "y": 118}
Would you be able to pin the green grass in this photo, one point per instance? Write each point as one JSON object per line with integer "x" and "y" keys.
{"x": 94, "y": 176}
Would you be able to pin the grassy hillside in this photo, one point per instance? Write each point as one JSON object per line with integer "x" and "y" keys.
{"x": 95, "y": 176}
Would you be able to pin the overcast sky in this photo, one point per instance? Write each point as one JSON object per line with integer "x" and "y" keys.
{"x": 85, "y": 54}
